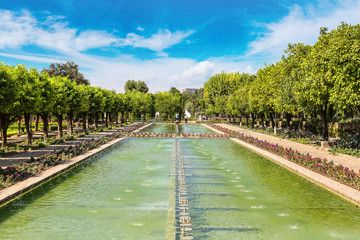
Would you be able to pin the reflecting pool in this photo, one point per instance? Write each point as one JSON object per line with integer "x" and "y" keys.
{"x": 236, "y": 194}
{"x": 126, "y": 193}
{"x": 122, "y": 194}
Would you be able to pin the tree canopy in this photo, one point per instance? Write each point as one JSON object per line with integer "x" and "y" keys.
{"x": 68, "y": 69}
{"x": 140, "y": 86}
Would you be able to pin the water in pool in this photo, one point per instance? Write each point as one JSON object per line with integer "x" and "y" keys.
{"x": 233, "y": 194}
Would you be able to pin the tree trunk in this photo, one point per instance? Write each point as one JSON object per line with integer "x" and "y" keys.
{"x": 87, "y": 121}
{"x": 288, "y": 119}
{"x": 19, "y": 126}
{"x": 27, "y": 118}
{"x": 262, "y": 120}
{"x": 60, "y": 127}
{"x": 301, "y": 122}
{"x": 122, "y": 117}
{"x": 37, "y": 123}
{"x": 71, "y": 123}
{"x": 106, "y": 120}
{"x": 45, "y": 119}
{"x": 96, "y": 121}
{"x": 4, "y": 124}
{"x": 275, "y": 124}
{"x": 116, "y": 118}
{"x": 247, "y": 120}
{"x": 110, "y": 119}
{"x": 84, "y": 117}
{"x": 272, "y": 120}
{"x": 323, "y": 114}
{"x": 253, "y": 120}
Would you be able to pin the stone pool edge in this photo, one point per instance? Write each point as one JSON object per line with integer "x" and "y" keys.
{"x": 11, "y": 193}
{"x": 143, "y": 127}
{"x": 331, "y": 185}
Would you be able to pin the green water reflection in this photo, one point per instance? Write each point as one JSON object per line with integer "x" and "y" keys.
{"x": 233, "y": 194}
{"x": 183, "y": 128}
{"x": 120, "y": 195}
{"x": 236, "y": 194}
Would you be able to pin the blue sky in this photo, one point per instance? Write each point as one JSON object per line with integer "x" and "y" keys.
{"x": 162, "y": 42}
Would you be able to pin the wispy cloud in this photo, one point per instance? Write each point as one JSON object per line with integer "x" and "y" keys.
{"x": 302, "y": 24}
{"x": 22, "y": 29}
{"x": 38, "y": 59}
{"x": 195, "y": 75}
{"x": 18, "y": 29}
{"x": 159, "y": 41}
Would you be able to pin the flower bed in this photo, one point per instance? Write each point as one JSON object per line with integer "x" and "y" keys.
{"x": 322, "y": 166}
{"x": 19, "y": 172}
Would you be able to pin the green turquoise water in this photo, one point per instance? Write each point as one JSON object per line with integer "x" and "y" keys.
{"x": 160, "y": 128}
{"x": 171, "y": 128}
{"x": 237, "y": 194}
{"x": 122, "y": 194}
{"x": 233, "y": 194}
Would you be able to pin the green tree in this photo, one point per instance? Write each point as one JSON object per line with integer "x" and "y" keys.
{"x": 77, "y": 100}
{"x": 140, "y": 86}
{"x": 97, "y": 103}
{"x": 109, "y": 104}
{"x": 45, "y": 101}
{"x": 68, "y": 69}
{"x": 61, "y": 102}
{"x": 174, "y": 90}
{"x": 29, "y": 94}
{"x": 8, "y": 99}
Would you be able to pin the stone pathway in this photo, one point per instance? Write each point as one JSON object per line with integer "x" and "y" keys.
{"x": 343, "y": 159}
{"x": 16, "y": 158}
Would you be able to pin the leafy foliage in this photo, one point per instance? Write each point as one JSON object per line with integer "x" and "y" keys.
{"x": 68, "y": 69}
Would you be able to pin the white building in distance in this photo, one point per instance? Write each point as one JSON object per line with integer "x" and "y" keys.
{"x": 192, "y": 90}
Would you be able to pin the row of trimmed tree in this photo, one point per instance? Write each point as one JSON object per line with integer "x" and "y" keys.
{"x": 322, "y": 80}
{"x": 26, "y": 92}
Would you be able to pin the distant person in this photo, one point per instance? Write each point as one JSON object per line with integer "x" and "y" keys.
{"x": 177, "y": 117}
{"x": 185, "y": 119}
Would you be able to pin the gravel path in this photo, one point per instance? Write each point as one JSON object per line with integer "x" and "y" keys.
{"x": 343, "y": 159}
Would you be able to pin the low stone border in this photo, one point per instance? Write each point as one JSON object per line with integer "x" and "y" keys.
{"x": 11, "y": 193}
{"x": 336, "y": 187}
{"x": 146, "y": 126}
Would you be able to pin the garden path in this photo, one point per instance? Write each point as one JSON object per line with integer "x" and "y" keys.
{"x": 343, "y": 159}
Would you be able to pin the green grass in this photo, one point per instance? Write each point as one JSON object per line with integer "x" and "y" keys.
{"x": 13, "y": 128}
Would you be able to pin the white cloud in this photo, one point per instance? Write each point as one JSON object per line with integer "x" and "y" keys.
{"x": 195, "y": 75}
{"x": 18, "y": 29}
{"x": 39, "y": 59}
{"x": 140, "y": 29}
{"x": 159, "y": 41}
{"x": 303, "y": 25}
{"x": 21, "y": 29}
{"x": 15, "y": 29}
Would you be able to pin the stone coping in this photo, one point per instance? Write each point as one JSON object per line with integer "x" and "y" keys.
{"x": 11, "y": 193}
{"x": 336, "y": 187}
{"x": 143, "y": 127}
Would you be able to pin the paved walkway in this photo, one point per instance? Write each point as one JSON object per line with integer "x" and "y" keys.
{"x": 343, "y": 159}
{"x": 16, "y": 158}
